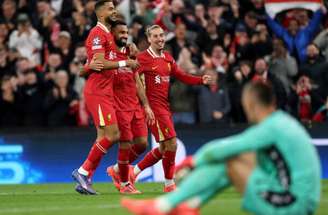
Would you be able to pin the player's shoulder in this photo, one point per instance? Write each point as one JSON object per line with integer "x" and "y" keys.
{"x": 168, "y": 56}
{"x": 96, "y": 31}
{"x": 144, "y": 56}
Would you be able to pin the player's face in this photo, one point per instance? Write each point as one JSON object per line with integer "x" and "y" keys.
{"x": 121, "y": 33}
{"x": 157, "y": 38}
{"x": 110, "y": 13}
{"x": 249, "y": 106}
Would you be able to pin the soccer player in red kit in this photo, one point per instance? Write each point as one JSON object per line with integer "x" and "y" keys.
{"x": 158, "y": 66}
{"x": 98, "y": 92}
{"x": 128, "y": 90}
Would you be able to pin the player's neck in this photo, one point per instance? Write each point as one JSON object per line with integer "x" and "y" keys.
{"x": 105, "y": 24}
{"x": 158, "y": 52}
{"x": 264, "y": 113}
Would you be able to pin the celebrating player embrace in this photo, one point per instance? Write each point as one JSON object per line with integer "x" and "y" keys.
{"x": 98, "y": 93}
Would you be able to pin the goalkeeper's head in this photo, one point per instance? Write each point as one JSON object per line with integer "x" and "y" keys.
{"x": 258, "y": 100}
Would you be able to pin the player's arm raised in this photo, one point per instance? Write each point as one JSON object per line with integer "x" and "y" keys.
{"x": 190, "y": 79}
{"x": 143, "y": 98}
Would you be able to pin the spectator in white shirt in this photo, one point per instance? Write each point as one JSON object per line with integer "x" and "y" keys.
{"x": 26, "y": 40}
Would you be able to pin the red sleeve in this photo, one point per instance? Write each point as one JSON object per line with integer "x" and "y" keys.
{"x": 184, "y": 77}
{"x": 142, "y": 62}
{"x": 98, "y": 42}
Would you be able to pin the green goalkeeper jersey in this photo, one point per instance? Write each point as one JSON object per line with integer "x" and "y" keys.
{"x": 284, "y": 153}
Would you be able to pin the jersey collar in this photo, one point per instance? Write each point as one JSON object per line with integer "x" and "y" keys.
{"x": 103, "y": 27}
{"x": 153, "y": 54}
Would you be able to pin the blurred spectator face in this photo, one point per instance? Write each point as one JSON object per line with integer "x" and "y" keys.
{"x": 213, "y": 12}
{"x": 312, "y": 51}
{"x": 177, "y": 6}
{"x": 293, "y": 27}
{"x": 218, "y": 52}
{"x": 121, "y": 34}
{"x": 250, "y": 20}
{"x": 245, "y": 69}
{"x": 211, "y": 28}
{"x": 43, "y": 8}
{"x": 90, "y": 7}
{"x": 278, "y": 47}
{"x": 79, "y": 19}
{"x": 3, "y": 55}
{"x": 180, "y": 31}
{"x": 30, "y": 78}
{"x": 134, "y": 29}
{"x": 61, "y": 79}
{"x": 64, "y": 40}
{"x": 143, "y": 4}
{"x": 54, "y": 60}
{"x": 8, "y": 9}
{"x": 23, "y": 64}
{"x": 6, "y": 83}
{"x": 302, "y": 17}
{"x": 260, "y": 66}
{"x": 156, "y": 38}
{"x": 81, "y": 53}
{"x": 3, "y": 32}
{"x": 199, "y": 11}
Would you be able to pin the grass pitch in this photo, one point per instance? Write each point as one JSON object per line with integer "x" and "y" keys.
{"x": 61, "y": 199}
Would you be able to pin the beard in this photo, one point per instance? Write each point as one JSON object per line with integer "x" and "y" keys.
{"x": 109, "y": 20}
{"x": 120, "y": 43}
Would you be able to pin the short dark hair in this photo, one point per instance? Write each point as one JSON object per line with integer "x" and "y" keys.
{"x": 101, "y": 3}
{"x": 118, "y": 22}
{"x": 263, "y": 92}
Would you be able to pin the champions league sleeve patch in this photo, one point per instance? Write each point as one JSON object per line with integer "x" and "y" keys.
{"x": 96, "y": 43}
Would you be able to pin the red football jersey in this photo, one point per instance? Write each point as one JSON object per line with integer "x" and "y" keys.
{"x": 125, "y": 90}
{"x": 157, "y": 71}
{"x": 100, "y": 40}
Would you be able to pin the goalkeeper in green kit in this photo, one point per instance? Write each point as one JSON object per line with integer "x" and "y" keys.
{"x": 272, "y": 164}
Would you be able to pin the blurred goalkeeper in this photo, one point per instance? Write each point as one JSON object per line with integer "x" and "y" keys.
{"x": 272, "y": 164}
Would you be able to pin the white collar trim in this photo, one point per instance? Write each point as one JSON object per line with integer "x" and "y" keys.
{"x": 102, "y": 26}
{"x": 153, "y": 54}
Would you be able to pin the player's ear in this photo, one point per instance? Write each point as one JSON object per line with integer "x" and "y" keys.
{"x": 148, "y": 39}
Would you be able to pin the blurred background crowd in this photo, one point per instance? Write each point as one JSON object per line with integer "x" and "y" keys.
{"x": 42, "y": 49}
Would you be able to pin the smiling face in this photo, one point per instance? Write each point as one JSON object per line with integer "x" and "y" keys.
{"x": 156, "y": 38}
{"x": 107, "y": 12}
{"x": 121, "y": 33}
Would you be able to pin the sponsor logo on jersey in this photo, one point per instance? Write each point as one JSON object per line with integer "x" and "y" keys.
{"x": 96, "y": 43}
{"x": 159, "y": 79}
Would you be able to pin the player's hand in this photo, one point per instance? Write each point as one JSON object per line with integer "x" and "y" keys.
{"x": 133, "y": 64}
{"x": 96, "y": 65}
{"x": 207, "y": 79}
{"x": 150, "y": 117}
{"x": 133, "y": 50}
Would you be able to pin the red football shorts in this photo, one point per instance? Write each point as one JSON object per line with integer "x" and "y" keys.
{"x": 132, "y": 124}
{"x": 101, "y": 109}
{"x": 163, "y": 129}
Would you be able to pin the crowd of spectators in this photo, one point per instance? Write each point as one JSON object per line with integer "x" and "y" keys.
{"x": 42, "y": 49}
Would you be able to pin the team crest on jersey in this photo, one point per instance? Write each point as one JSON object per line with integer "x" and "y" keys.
{"x": 167, "y": 130}
{"x": 96, "y": 43}
{"x": 112, "y": 55}
{"x": 109, "y": 117}
{"x": 169, "y": 67}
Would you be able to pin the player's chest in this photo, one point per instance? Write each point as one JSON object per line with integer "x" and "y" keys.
{"x": 160, "y": 67}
